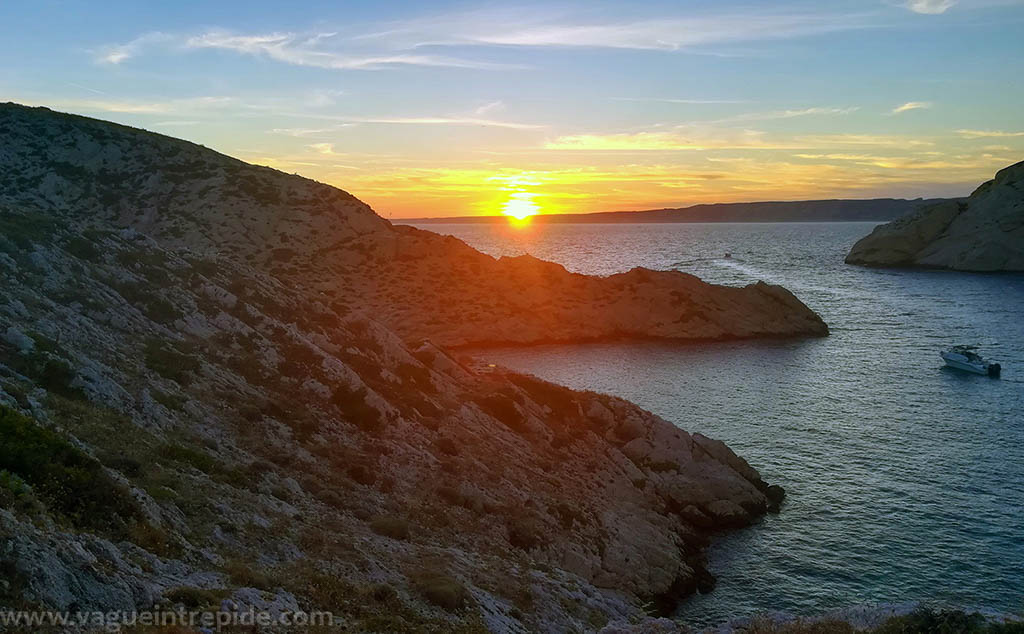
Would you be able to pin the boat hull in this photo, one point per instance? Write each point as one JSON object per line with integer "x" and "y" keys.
{"x": 966, "y": 367}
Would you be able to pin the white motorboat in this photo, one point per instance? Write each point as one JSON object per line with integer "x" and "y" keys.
{"x": 965, "y": 358}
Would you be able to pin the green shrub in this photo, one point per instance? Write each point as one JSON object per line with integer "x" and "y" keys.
{"x": 354, "y": 408}
{"x": 416, "y": 375}
{"x": 14, "y": 492}
{"x": 393, "y": 527}
{"x": 447, "y": 446}
{"x": 195, "y": 597}
{"x": 361, "y": 474}
{"x": 526, "y": 533}
{"x": 561, "y": 400}
{"x": 243, "y": 575}
{"x": 161, "y": 311}
{"x": 83, "y": 249}
{"x": 186, "y": 455}
{"x": 502, "y": 405}
{"x": 18, "y": 394}
{"x": 63, "y": 476}
{"x": 172, "y": 402}
{"x": 170, "y": 363}
{"x": 44, "y": 343}
{"x": 26, "y": 229}
{"x": 56, "y": 376}
{"x": 440, "y": 589}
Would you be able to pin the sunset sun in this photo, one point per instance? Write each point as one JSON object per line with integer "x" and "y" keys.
{"x": 520, "y": 206}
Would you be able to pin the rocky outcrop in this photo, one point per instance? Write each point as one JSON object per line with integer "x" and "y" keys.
{"x": 985, "y": 232}
{"x": 262, "y": 435}
{"x": 316, "y": 237}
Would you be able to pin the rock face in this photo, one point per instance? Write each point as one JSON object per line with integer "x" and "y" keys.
{"x": 259, "y": 431}
{"x": 985, "y": 232}
{"x": 319, "y": 238}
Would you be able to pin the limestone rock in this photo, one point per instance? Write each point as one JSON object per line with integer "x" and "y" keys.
{"x": 984, "y": 232}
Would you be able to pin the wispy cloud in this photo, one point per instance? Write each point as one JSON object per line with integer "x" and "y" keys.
{"x": 860, "y": 140}
{"x": 326, "y": 50}
{"x": 117, "y": 53}
{"x": 985, "y": 134}
{"x": 931, "y": 7}
{"x": 663, "y": 32}
{"x": 911, "y": 105}
{"x": 788, "y": 114}
{"x": 680, "y": 101}
{"x": 694, "y": 138}
{"x": 307, "y": 50}
{"x": 322, "y": 148}
{"x": 306, "y": 132}
{"x": 487, "y": 108}
{"x": 86, "y": 88}
{"x": 472, "y": 121}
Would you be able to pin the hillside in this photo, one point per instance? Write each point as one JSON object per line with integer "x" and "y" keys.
{"x": 325, "y": 241}
{"x": 876, "y": 209}
{"x": 984, "y": 232}
{"x": 215, "y": 388}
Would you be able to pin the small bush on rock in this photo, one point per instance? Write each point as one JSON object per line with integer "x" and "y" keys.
{"x": 503, "y": 407}
{"x": 353, "y": 406}
{"x": 170, "y": 363}
{"x": 440, "y": 589}
{"x": 393, "y": 527}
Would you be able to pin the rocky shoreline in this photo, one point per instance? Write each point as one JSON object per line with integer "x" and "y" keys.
{"x": 983, "y": 233}
{"x": 253, "y": 368}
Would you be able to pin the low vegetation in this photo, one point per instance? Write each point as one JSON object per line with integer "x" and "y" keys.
{"x": 67, "y": 480}
{"x": 169, "y": 362}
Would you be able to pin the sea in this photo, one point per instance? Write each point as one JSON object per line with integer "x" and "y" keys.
{"x": 905, "y": 479}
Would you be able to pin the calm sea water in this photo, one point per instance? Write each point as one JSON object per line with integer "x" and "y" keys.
{"x": 905, "y": 479}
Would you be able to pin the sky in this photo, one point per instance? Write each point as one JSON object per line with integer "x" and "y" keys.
{"x": 455, "y": 108}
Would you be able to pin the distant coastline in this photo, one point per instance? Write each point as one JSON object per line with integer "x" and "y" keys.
{"x": 839, "y": 210}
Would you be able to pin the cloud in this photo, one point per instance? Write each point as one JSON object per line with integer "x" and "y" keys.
{"x": 693, "y": 138}
{"x": 319, "y": 50}
{"x": 911, "y": 105}
{"x": 445, "y": 121}
{"x": 788, "y": 114}
{"x": 494, "y": 106}
{"x": 302, "y": 50}
{"x": 708, "y": 136}
{"x": 304, "y": 132}
{"x": 322, "y": 148}
{"x": 930, "y": 7}
{"x": 117, "y": 53}
{"x": 986, "y": 134}
{"x": 859, "y": 140}
{"x": 663, "y": 32}
{"x": 680, "y": 101}
{"x": 414, "y": 42}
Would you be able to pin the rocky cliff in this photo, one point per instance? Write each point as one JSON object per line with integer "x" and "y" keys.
{"x": 324, "y": 240}
{"x": 985, "y": 232}
{"x": 215, "y": 392}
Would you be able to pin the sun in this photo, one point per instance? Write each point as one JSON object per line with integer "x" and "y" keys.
{"x": 520, "y": 206}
